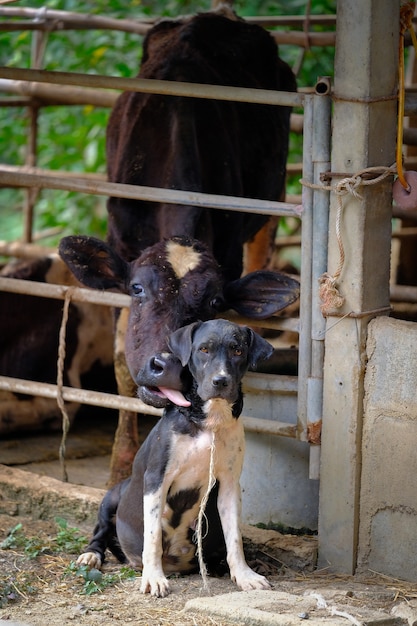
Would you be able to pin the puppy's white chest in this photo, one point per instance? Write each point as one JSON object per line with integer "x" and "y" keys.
{"x": 189, "y": 464}
{"x": 190, "y": 460}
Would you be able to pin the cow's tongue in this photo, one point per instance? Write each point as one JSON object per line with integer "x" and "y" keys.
{"x": 176, "y": 397}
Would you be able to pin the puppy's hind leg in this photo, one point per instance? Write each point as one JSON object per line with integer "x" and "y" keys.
{"x": 104, "y": 535}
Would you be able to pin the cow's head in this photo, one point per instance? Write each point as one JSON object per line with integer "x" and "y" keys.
{"x": 173, "y": 283}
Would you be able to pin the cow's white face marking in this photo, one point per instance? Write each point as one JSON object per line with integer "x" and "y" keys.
{"x": 182, "y": 258}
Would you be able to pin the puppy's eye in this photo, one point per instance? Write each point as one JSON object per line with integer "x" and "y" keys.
{"x": 237, "y": 352}
{"x": 204, "y": 349}
{"x": 137, "y": 290}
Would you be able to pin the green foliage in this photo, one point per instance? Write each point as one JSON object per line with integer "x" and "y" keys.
{"x": 72, "y": 138}
{"x": 68, "y": 539}
{"x": 17, "y": 540}
{"x": 96, "y": 581}
{"x": 11, "y": 588}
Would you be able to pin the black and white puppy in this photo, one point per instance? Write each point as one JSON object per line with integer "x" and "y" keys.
{"x": 149, "y": 520}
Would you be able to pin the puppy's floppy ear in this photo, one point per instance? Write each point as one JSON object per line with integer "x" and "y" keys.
{"x": 259, "y": 348}
{"x": 181, "y": 342}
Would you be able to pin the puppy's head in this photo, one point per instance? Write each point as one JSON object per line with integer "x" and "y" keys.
{"x": 218, "y": 353}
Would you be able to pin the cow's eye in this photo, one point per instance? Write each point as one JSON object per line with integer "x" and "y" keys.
{"x": 137, "y": 290}
{"x": 217, "y": 303}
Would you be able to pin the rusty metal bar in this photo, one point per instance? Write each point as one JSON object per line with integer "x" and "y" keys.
{"x": 13, "y": 176}
{"x": 163, "y": 87}
{"x": 60, "y": 94}
{"x": 108, "y": 298}
{"x": 66, "y": 20}
{"x": 112, "y": 401}
{"x": 71, "y": 394}
{"x": 80, "y": 20}
{"x": 58, "y": 292}
{"x": 24, "y": 250}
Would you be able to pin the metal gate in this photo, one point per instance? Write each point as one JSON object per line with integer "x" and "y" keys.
{"x": 307, "y": 386}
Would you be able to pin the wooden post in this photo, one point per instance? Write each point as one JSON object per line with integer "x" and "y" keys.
{"x": 364, "y": 135}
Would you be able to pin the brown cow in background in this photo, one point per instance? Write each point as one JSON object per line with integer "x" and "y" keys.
{"x": 29, "y": 347}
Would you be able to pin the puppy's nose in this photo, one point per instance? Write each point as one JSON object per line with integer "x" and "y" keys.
{"x": 220, "y": 381}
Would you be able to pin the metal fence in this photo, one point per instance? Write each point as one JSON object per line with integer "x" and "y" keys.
{"x": 313, "y": 212}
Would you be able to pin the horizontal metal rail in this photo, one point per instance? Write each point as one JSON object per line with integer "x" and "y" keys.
{"x": 68, "y": 20}
{"x": 108, "y": 298}
{"x": 13, "y": 176}
{"x": 162, "y": 87}
{"x": 35, "y": 177}
{"x": 112, "y": 401}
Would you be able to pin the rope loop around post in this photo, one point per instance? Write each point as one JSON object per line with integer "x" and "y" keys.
{"x": 329, "y": 293}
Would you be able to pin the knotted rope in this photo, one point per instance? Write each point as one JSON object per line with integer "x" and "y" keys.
{"x": 60, "y": 382}
{"x": 328, "y": 291}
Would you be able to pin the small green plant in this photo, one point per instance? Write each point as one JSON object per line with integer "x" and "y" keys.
{"x": 12, "y": 588}
{"x": 68, "y": 538}
{"x": 17, "y": 540}
{"x": 96, "y": 581}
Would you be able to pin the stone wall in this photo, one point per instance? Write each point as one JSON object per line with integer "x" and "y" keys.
{"x": 388, "y": 504}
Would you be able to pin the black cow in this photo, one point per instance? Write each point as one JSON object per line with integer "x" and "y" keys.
{"x": 197, "y": 145}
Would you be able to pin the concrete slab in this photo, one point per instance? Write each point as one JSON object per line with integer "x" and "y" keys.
{"x": 277, "y": 608}
{"x": 42, "y": 497}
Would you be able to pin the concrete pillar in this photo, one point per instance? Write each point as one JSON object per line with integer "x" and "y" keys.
{"x": 364, "y": 134}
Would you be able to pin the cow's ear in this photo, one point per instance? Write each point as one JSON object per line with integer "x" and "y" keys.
{"x": 261, "y": 294}
{"x": 181, "y": 342}
{"x": 93, "y": 262}
{"x": 259, "y": 348}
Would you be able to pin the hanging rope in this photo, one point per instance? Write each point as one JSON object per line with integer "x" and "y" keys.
{"x": 60, "y": 382}
{"x": 202, "y": 516}
{"x": 328, "y": 290}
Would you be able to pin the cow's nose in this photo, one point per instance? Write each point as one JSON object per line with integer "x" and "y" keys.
{"x": 220, "y": 381}
{"x": 157, "y": 365}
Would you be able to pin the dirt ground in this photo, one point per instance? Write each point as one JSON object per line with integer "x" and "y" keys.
{"x": 43, "y": 591}
{"x": 40, "y": 585}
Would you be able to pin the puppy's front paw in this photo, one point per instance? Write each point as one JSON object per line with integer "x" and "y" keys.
{"x": 90, "y": 559}
{"x": 155, "y": 583}
{"x": 249, "y": 579}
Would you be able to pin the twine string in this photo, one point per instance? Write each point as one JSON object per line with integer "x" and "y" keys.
{"x": 202, "y": 516}
{"x": 60, "y": 382}
{"x": 329, "y": 293}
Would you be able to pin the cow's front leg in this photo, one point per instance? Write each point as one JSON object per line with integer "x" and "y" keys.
{"x": 153, "y": 577}
{"x": 229, "y": 505}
